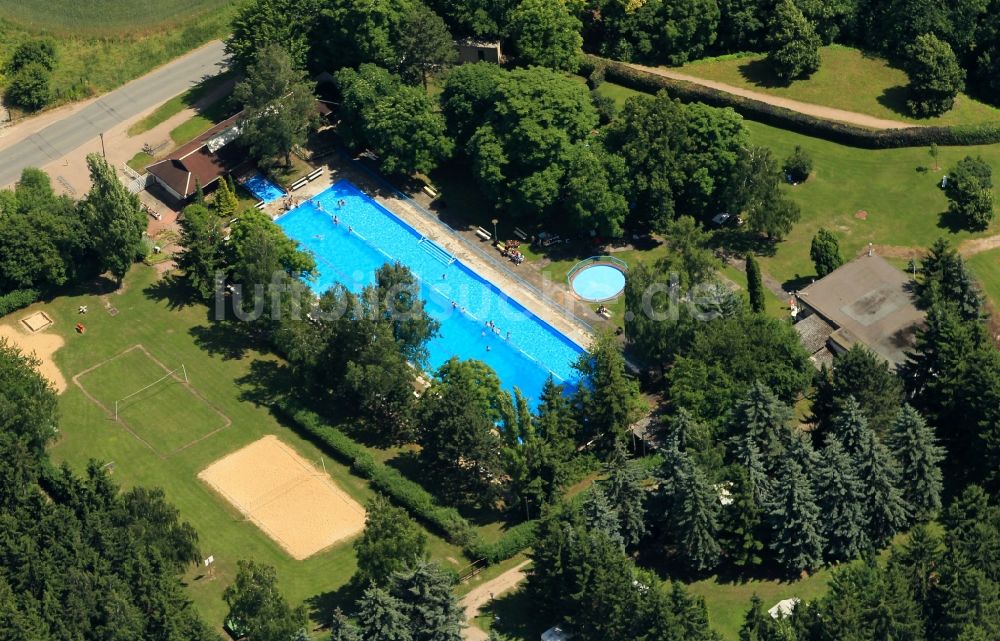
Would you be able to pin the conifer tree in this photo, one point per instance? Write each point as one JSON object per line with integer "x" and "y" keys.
{"x": 428, "y": 602}
{"x": 342, "y": 628}
{"x": 763, "y": 417}
{"x": 226, "y": 202}
{"x": 599, "y": 515}
{"x": 841, "y": 501}
{"x": 383, "y": 617}
{"x": 757, "y": 624}
{"x": 692, "y": 509}
{"x": 797, "y": 445}
{"x": 747, "y": 456}
{"x": 796, "y": 525}
{"x": 850, "y": 427}
{"x": 919, "y": 456}
{"x": 199, "y": 193}
{"x": 740, "y": 532}
{"x": 878, "y": 472}
{"x": 623, "y": 488}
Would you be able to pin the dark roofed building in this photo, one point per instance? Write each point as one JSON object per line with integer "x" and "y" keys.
{"x": 202, "y": 161}
{"x": 867, "y": 302}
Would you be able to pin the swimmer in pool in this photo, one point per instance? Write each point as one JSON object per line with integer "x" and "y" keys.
{"x": 336, "y": 220}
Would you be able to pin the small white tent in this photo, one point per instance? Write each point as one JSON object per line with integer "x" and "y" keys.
{"x": 783, "y": 608}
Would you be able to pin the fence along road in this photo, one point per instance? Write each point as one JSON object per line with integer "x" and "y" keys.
{"x": 128, "y": 101}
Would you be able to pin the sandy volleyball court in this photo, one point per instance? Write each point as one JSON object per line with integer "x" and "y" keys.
{"x": 296, "y": 504}
{"x": 43, "y": 345}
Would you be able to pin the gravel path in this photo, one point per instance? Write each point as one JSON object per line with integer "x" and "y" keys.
{"x": 481, "y": 595}
{"x": 819, "y": 111}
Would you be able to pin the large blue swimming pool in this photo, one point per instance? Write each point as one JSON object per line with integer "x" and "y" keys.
{"x": 523, "y": 349}
{"x": 263, "y": 188}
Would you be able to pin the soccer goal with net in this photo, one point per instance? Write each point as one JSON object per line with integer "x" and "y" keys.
{"x": 178, "y": 375}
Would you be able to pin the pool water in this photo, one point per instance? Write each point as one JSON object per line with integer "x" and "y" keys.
{"x": 263, "y": 189}
{"x": 523, "y": 349}
{"x": 599, "y": 282}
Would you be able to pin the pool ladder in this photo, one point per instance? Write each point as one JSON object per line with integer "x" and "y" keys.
{"x": 437, "y": 251}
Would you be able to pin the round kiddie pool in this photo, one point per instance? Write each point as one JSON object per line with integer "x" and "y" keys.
{"x": 598, "y": 278}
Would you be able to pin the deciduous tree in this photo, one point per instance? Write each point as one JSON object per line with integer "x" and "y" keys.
{"x": 935, "y": 76}
{"x": 825, "y": 252}
{"x": 202, "y": 259}
{"x": 391, "y": 542}
{"x": 256, "y": 606}
{"x": 970, "y": 192}
{"x": 425, "y": 44}
{"x": 279, "y": 106}
{"x": 793, "y": 46}
{"x": 546, "y": 33}
{"x": 114, "y": 218}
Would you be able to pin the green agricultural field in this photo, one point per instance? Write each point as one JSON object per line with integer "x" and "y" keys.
{"x": 155, "y": 314}
{"x": 103, "y": 17}
{"x": 105, "y": 43}
{"x": 847, "y": 79}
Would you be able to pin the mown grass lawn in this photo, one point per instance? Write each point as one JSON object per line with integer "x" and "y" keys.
{"x": 898, "y": 189}
{"x": 193, "y": 97}
{"x": 986, "y": 268}
{"x": 847, "y": 79}
{"x": 153, "y": 313}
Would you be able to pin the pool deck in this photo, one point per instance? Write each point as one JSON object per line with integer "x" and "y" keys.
{"x": 545, "y": 298}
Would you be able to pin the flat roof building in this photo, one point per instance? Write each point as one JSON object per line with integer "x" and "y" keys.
{"x": 866, "y": 301}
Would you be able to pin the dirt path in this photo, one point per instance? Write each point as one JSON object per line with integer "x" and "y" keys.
{"x": 818, "y": 111}
{"x": 482, "y": 594}
{"x": 978, "y": 245}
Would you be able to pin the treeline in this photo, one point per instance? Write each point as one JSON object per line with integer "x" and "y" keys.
{"x": 539, "y": 145}
{"x": 934, "y": 586}
{"x": 81, "y": 560}
{"x": 49, "y": 241}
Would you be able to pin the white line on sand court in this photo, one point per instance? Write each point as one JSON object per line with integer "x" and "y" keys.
{"x": 297, "y": 505}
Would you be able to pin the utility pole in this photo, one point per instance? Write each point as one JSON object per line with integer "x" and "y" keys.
{"x": 103, "y": 153}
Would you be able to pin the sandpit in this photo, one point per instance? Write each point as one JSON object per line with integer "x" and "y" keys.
{"x": 293, "y": 502}
{"x": 43, "y": 345}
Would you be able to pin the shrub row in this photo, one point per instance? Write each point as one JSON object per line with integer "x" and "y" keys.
{"x": 839, "y": 132}
{"x": 408, "y": 494}
{"x": 17, "y": 299}
{"x": 514, "y": 540}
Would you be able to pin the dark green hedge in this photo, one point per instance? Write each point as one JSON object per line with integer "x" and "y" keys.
{"x": 514, "y": 540}
{"x": 843, "y": 133}
{"x": 17, "y": 299}
{"x": 411, "y": 496}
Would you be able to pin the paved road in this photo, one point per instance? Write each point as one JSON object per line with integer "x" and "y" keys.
{"x": 819, "y": 111}
{"x": 156, "y": 87}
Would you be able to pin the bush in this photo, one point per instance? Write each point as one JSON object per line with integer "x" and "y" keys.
{"x": 29, "y": 88}
{"x": 514, "y": 540}
{"x": 407, "y": 494}
{"x": 799, "y": 165}
{"x": 42, "y": 52}
{"x": 838, "y": 132}
{"x": 418, "y": 501}
{"x": 17, "y": 299}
